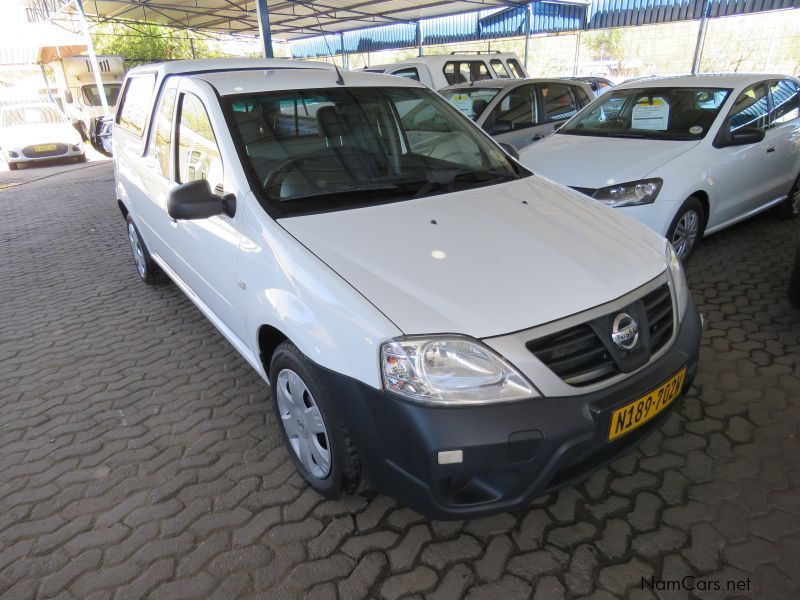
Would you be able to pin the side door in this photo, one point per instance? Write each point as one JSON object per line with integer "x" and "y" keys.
{"x": 206, "y": 249}
{"x": 741, "y": 175}
{"x": 512, "y": 119}
{"x": 158, "y": 169}
{"x": 130, "y": 124}
{"x": 784, "y": 133}
{"x": 557, "y": 103}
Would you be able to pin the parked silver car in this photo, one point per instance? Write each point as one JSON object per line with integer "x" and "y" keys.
{"x": 519, "y": 112}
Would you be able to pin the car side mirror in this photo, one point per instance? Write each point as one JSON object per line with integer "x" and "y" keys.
{"x": 741, "y": 137}
{"x": 510, "y": 150}
{"x": 499, "y": 127}
{"x": 195, "y": 200}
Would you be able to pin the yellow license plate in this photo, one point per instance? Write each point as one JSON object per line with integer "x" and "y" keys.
{"x": 44, "y": 148}
{"x": 635, "y": 414}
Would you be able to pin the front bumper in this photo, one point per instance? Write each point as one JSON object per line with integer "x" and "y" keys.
{"x": 21, "y": 156}
{"x": 513, "y": 452}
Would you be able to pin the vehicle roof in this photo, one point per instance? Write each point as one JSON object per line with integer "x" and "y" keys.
{"x": 721, "y": 80}
{"x": 443, "y": 58}
{"x": 245, "y": 82}
{"x": 181, "y": 67}
{"x": 500, "y": 83}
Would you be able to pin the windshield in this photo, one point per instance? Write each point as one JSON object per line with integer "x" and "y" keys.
{"x": 471, "y": 102}
{"x": 31, "y": 115}
{"x": 650, "y": 113}
{"x": 92, "y": 97}
{"x": 317, "y": 150}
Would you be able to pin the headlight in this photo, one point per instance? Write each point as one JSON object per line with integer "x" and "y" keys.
{"x": 632, "y": 193}
{"x": 678, "y": 278}
{"x": 450, "y": 371}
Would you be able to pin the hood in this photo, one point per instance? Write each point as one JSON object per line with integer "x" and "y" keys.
{"x": 595, "y": 162}
{"x": 44, "y": 133}
{"x": 490, "y": 264}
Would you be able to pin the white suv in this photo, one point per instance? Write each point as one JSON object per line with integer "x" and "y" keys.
{"x": 429, "y": 315}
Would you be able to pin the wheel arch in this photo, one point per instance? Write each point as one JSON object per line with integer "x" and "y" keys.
{"x": 702, "y": 196}
{"x": 269, "y": 338}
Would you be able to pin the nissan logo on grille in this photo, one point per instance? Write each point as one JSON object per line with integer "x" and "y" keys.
{"x": 625, "y": 331}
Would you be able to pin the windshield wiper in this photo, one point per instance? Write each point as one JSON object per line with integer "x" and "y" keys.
{"x": 367, "y": 187}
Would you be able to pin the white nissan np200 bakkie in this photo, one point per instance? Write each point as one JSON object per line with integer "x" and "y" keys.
{"x": 431, "y": 317}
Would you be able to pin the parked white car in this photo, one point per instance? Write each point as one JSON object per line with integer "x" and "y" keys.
{"x": 37, "y": 132}
{"x": 687, "y": 156}
{"x": 440, "y": 70}
{"x": 430, "y": 316}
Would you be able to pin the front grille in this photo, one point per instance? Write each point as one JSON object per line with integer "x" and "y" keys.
{"x": 576, "y": 355}
{"x": 31, "y": 152}
{"x": 658, "y": 306}
{"x": 580, "y": 358}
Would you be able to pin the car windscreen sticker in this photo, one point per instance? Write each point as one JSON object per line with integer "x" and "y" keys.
{"x": 650, "y": 113}
{"x": 462, "y": 103}
{"x": 695, "y": 130}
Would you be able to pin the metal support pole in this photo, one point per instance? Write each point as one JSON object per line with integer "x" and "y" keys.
{"x": 420, "y": 51}
{"x": 263, "y": 27}
{"x": 701, "y": 37}
{"x": 527, "y": 33}
{"x": 191, "y": 42}
{"x": 98, "y": 80}
{"x": 345, "y": 66}
{"x": 577, "y": 54}
{"x": 47, "y": 84}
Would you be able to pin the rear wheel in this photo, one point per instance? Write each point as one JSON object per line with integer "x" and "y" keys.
{"x": 148, "y": 270}
{"x": 687, "y": 228}
{"x": 316, "y": 436}
{"x": 790, "y": 208}
{"x": 81, "y": 158}
{"x": 13, "y": 166}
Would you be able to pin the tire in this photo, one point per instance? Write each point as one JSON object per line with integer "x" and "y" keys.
{"x": 794, "y": 281}
{"x": 686, "y": 229}
{"x": 13, "y": 166}
{"x": 790, "y": 208}
{"x": 148, "y": 270}
{"x": 311, "y": 428}
{"x": 81, "y": 158}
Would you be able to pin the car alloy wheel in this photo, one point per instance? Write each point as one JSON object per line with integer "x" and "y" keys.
{"x": 137, "y": 250}
{"x": 303, "y": 423}
{"x": 685, "y": 235}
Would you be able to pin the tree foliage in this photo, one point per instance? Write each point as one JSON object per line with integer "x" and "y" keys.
{"x": 146, "y": 43}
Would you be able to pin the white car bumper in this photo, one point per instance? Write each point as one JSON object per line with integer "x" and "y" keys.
{"x": 657, "y": 216}
{"x": 41, "y": 152}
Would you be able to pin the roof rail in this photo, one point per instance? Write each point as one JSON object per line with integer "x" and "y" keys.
{"x": 476, "y": 52}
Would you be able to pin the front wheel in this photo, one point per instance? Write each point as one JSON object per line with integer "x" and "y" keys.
{"x": 13, "y": 166}
{"x": 790, "y": 208}
{"x": 686, "y": 229}
{"x": 148, "y": 270}
{"x": 316, "y": 436}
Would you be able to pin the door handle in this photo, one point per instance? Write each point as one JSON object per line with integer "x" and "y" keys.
{"x": 770, "y": 149}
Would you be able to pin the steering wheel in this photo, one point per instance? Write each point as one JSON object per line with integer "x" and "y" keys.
{"x": 270, "y": 180}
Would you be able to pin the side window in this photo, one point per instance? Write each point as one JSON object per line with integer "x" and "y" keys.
{"x": 479, "y": 71}
{"x": 751, "y": 109}
{"x": 198, "y": 153}
{"x": 499, "y": 69}
{"x": 410, "y": 73}
{"x": 135, "y": 103}
{"x": 785, "y": 101}
{"x": 516, "y": 68}
{"x": 162, "y": 136}
{"x": 464, "y": 72}
{"x": 582, "y": 94}
{"x": 518, "y": 109}
{"x": 559, "y": 103}
{"x": 449, "y": 71}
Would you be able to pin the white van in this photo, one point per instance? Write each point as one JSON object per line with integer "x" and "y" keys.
{"x": 78, "y": 93}
{"x": 430, "y": 316}
{"x": 439, "y": 71}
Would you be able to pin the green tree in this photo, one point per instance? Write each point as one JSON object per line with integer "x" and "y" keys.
{"x": 145, "y": 43}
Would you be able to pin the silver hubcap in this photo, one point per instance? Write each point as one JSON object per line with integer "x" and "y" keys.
{"x": 136, "y": 250}
{"x": 685, "y": 234}
{"x": 303, "y": 424}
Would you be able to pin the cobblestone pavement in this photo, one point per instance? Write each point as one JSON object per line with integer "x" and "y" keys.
{"x": 137, "y": 458}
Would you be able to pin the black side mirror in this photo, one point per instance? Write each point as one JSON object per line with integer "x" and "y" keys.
{"x": 741, "y": 137}
{"x": 499, "y": 127}
{"x": 510, "y": 150}
{"x": 195, "y": 200}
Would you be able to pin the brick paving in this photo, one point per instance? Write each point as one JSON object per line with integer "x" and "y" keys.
{"x": 138, "y": 457}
